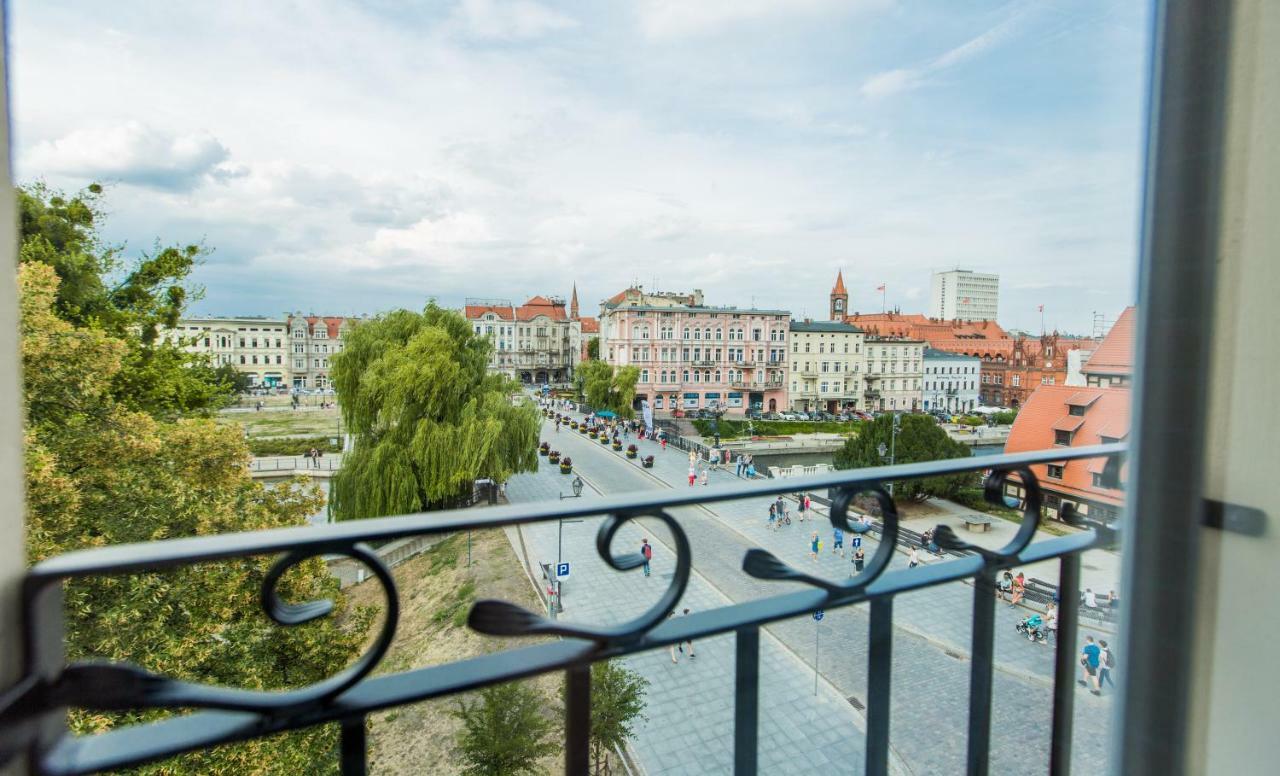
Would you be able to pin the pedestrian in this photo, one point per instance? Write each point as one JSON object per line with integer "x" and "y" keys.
{"x": 815, "y": 545}
{"x": 704, "y": 477}
{"x": 808, "y": 502}
{"x": 693, "y": 457}
{"x": 647, "y": 552}
{"x": 693, "y": 475}
{"x": 1090, "y": 657}
{"x": 913, "y": 559}
{"x": 673, "y": 646}
{"x": 318, "y": 456}
{"x": 1108, "y": 662}
{"x": 837, "y": 541}
{"x": 662, "y": 439}
{"x": 800, "y": 505}
{"x": 739, "y": 464}
{"x": 1089, "y": 599}
{"x": 773, "y": 516}
{"x": 1051, "y": 621}
{"x": 1113, "y": 601}
{"x": 688, "y": 642}
{"x": 1006, "y": 585}
{"x": 858, "y": 558}
{"x": 1019, "y": 589}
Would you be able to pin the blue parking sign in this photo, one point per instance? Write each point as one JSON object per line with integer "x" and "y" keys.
{"x": 562, "y": 571}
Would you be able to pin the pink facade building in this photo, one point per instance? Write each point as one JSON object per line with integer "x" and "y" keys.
{"x": 692, "y": 356}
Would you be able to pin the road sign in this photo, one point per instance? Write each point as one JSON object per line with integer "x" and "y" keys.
{"x": 562, "y": 571}
{"x": 818, "y": 615}
{"x": 857, "y": 542}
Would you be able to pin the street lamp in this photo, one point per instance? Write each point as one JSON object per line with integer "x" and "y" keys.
{"x": 893, "y": 445}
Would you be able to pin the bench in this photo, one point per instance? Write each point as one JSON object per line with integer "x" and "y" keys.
{"x": 980, "y": 523}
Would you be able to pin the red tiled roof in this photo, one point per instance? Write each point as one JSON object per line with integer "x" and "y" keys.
{"x": 1115, "y": 355}
{"x": 540, "y": 305}
{"x": 474, "y": 311}
{"x": 839, "y": 287}
{"x": 590, "y": 325}
{"x": 1046, "y": 409}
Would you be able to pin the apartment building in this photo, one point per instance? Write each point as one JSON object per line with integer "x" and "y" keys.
{"x": 828, "y": 366}
{"x": 951, "y": 381}
{"x": 256, "y": 346}
{"x": 537, "y": 343}
{"x": 692, "y": 355}
{"x": 894, "y": 373}
{"x": 962, "y": 295}
{"x": 313, "y": 341}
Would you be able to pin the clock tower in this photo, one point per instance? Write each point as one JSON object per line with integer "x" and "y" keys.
{"x": 839, "y": 299}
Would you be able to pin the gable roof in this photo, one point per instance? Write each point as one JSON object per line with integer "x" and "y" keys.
{"x": 1115, "y": 355}
{"x": 540, "y": 305}
{"x": 503, "y": 312}
{"x": 590, "y": 325}
{"x": 1049, "y": 408}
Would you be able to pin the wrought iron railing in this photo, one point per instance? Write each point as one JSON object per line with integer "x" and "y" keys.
{"x": 33, "y": 711}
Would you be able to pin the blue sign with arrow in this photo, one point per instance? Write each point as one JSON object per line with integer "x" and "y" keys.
{"x": 818, "y": 615}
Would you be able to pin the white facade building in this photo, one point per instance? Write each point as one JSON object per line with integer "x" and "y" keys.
{"x": 950, "y": 381}
{"x": 536, "y": 343}
{"x": 828, "y": 364}
{"x": 254, "y": 345}
{"x": 894, "y": 372}
{"x": 313, "y": 341}
{"x": 962, "y": 295}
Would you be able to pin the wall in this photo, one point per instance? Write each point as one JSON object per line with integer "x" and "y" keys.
{"x": 1236, "y": 712}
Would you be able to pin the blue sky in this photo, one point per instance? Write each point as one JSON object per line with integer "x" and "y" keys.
{"x": 355, "y": 157}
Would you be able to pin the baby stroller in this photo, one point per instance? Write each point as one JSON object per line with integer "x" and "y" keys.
{"x": 1033, "y": 628}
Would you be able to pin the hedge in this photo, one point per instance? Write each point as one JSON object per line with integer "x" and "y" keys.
{"x": 736, "y": 428}
{"x": 292, "y": 445}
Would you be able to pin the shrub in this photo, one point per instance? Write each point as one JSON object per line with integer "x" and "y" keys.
{"x": 292, "y": 445}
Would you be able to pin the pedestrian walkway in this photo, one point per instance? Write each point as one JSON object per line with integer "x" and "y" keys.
{"x": 931, "y": 670}
{"x": 689, "y": 706}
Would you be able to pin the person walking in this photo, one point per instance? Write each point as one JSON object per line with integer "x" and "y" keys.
{"x": 773, "y": 516}
{"x": 837, "y": 541}
{"x": 815, "y": 545}
{"x": 1051, "y": 621}
{"x": 693, "y": 475}
{"x": 318, "y": 456}
{"x": 738, "y": 464}
{"x": 808, "y": 503}
{"x": 647, "y": 552}
{"x": 1090, "y": 657}
{"x": 1089, "y": 599}
{"x": 800, "y": 505}
{"x": 858, "y": 561}
{"x": 673, "y": 646}
{"x": 913, "y": 559}
{"x": 688, "y": 642}
{"x": 1107, "y": 662}
{"x": 662, "y": 440}
{"x": 704, "y": 478}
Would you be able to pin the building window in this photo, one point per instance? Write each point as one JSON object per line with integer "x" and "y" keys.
{"x": 644, "y": 375}
{"x": 1055, "y": 471}
{"x": 1061, "y": 437}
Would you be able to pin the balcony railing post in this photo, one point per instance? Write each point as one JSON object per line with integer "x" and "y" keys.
{"x": 1065, "y": 665}
{"x": 577, "y": 748}
{"x": 746, "y": 705}
{"x": 355, "y": 747}
{"x": 879, "y": 682}
{"x": 980, "y": 672}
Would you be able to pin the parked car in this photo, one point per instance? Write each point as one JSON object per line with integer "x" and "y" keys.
{"x": 772, "y": 416}
{"x": 802, "y": 416}
{"x": 820, "y": 415}
{"x": 787, "y": 415}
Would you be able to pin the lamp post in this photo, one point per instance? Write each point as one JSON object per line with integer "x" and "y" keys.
{"x": 577, "y": 493}
{"x": 893, "y": 445}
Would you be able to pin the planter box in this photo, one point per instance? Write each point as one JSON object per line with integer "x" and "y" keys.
{"x": 604, "y": 440}
{"x": 554, "y": 458}
{"x": 565, "y": 469}
{"x": 631, "y": 453}
{"x": 646, "y": 463}
{"x": 617, "y": 446}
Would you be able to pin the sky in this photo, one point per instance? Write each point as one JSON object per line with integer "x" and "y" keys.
{"x": 355, "y": 157}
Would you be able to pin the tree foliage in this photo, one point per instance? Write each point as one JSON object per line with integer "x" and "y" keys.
{"x": 504, "y": 733}
{"x": 100, "y": 473}
{"x": 919, "y": 439}
{"x": 134, "y": 301}
{"x": 609, "y": 388}
{"x": 427, "y": 418}
{"x": 593, "y": 348}
{"x": 617, "y": 703}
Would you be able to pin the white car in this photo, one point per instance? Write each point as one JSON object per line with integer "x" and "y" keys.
{"x": 788, "y": 416}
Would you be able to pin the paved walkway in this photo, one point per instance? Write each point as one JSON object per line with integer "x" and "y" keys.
{"x": 689, "y": 726}
{"x": 931, "y": 669}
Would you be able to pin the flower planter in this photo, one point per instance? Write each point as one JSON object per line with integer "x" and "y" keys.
{"x": 566, "y": 465}
{"x": 604, "y": 440}
{"x": 544, "y": 448}
{"x": 554, "y": 457}
{"x": 617, "y": 446}
{"x": 647, "y": 462}
{"x": 632, "y": 450}
{"x": 565, "y": 469}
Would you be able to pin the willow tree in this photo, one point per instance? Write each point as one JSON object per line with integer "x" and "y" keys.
{"x": 426, "y": 417}
{"x": 609, "y": 388}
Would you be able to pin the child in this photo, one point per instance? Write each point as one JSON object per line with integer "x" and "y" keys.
{"x": 704, "y": 477}
{"x": 693, "y": 476}
{"x": 773, "y": 517}
{"x": 837, "y": 544}
{"x": 814, "y": 546}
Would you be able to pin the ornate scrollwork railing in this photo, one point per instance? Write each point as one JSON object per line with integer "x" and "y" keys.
{"x": 33, "y": 710}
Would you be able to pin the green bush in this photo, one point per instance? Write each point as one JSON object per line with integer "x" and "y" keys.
{"x": 293, "y": 445}
{"x": 1004, "y": 417}
{"x": 973, "y": 420}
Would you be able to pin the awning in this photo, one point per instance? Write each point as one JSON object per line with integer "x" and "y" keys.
{"x": 1069, "y": 423}
{"x": 691, "y": 395}
{"x": 711, "y": 395}
{"x": 733, "y": 395}
{"x": 606, "y": 414}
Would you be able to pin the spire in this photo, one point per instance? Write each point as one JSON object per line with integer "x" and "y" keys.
{"x": 839, "y": 287}
{"x": 573, "y": 304}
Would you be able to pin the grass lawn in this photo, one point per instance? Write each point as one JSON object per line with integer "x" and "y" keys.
{"x": 436, "y": 593}
{"x": 284, "y": 422}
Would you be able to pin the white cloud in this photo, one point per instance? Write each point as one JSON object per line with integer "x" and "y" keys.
{"x": 433, "y": 239}
{"x": 898, "y": 80}
{"x": 510, "y": 20}
{"x": 132, "y": 153}
{"x": 679, "y": 18}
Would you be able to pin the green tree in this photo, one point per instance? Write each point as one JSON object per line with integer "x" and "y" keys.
{"x": 593, "y": 348}
{"x": 239, "y": 381}
{"x": 609, "y": 388}
{"x": 617, "y": 703}
{"x": 99, "y": 473}
{"x": 919, "y": 439}
{"x": 133, "y": 300}
{"x": 426, "y": 416}
{"x": 504, "y": 733}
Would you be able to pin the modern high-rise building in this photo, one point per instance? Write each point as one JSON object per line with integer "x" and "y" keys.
{"x": 962, "y": 295}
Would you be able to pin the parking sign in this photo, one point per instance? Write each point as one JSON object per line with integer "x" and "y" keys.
{"x": 562, "y": 571}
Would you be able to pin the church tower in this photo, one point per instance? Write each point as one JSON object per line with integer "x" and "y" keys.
{"x": 573, "y": 304}
{"x": 839, "y": 299}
